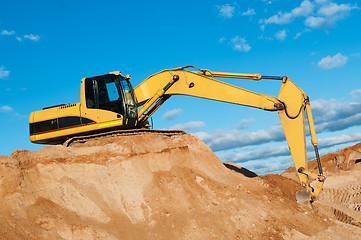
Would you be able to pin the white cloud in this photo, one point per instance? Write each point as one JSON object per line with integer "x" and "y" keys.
{"x": 334, "y": 115}
{"x": 356, "y": 94}
{"x": 321, "y": 1}
{"x": 331, "y": 110}
{"x": 172, "y": 114}
{"x": 328, "y": 15}
{"x": 6, "y": 32}
{"x": 4, "y": 73}
{"x": 249, "y": 12}
{"x": 222, "y": 39}
{"x": 6, "y": 109}
{"x": 32, "y": 37}
{"x": 281, "y": 35}
{"x": 239, "y": 44}
{"x": 317, "y": 22}
{"x": 280, "y": 18}
{"x": 336, "y": 140}
{"x": 189, "y": 126}
{"x": 303, "y": 10}
{"x": 301, "y": 33}
{"x": 228, "y": 139}
{"x": 244, "y": 123}
{"x": 335, "y": 61}
{"x": 333, "y": 9}
{"x": 265, "y": 38}
{"x": 262, "y": 168}
{"x": 340, "y": 124}
{"x": 297, "y": 35}
{"x": 262, "y": 153}
{"x": 226, "y": 11}
{"x": 281, "y": 151}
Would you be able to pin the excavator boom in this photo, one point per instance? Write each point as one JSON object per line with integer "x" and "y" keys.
{"x": 290, "y": 104}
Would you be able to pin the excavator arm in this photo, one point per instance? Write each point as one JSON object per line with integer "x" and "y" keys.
{"x": 290, "y": 104}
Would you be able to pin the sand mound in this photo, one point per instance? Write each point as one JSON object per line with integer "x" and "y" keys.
{"x": 151, "y": 186}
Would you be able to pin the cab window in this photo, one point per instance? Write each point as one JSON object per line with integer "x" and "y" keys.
{"x": 103, "y": 93}
{"x": 89, "y": 93}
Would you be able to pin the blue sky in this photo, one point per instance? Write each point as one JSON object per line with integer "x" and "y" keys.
{"x": 46, "y": 47}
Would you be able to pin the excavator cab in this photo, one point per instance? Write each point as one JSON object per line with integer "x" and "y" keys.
{"x": 112, "y": 93}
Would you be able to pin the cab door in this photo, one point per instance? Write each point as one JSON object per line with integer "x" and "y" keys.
{"x": 102, "y": 100}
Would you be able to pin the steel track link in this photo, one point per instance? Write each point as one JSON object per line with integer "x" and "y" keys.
{"x": 83, "y": 139}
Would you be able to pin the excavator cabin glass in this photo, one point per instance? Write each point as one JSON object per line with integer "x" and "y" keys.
{"x": 112, "y": 93}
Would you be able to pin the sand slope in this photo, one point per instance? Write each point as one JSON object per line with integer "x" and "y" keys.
{"x": 153, "y": 186}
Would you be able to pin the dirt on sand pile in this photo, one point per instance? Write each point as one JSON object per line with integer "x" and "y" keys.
{"x": 151, "y": 186}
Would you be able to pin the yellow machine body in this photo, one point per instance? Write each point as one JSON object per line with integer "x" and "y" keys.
{"x": 54, "y": 125}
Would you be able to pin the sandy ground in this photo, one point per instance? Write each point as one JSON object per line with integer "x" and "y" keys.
{"x": 160, "y": 187}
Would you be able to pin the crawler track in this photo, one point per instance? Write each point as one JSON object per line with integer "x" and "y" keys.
{"x": 83, "y": 139}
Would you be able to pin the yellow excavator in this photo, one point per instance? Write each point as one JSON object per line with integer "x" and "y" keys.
{"x": 109, "y": 104}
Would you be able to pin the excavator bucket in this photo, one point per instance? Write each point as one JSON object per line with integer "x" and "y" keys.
{"x": 303, "y": 195}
